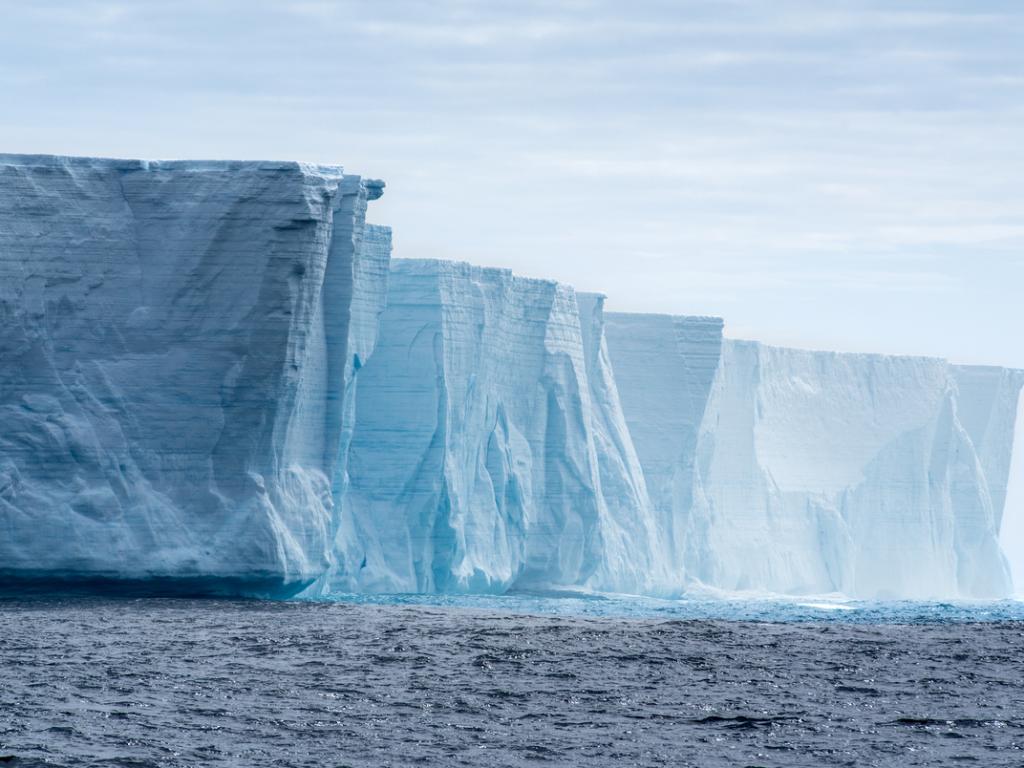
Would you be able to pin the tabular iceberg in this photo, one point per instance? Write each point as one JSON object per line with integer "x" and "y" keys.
{"x": 664, "y": 368}
{"x": 213, "y": 380}
{"x": 801, "y": 472}
{"x": 481, "y": 454}
{"x": 178, "y": 349}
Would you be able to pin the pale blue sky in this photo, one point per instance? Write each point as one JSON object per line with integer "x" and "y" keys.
{"x": 830, "y": 174}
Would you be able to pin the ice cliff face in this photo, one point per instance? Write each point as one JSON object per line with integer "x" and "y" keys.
{"x": 665, "y": 367}
{"x": 1011, "y": 533}
{"x": 213, "y": 380}
{"x": 804, "y": 472}
{"x": 987, "y": 406}
{"x": 179, "y": 342}
{"x": 482, "y": 448}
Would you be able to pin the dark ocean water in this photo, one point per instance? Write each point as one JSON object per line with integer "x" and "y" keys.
{"x": 93, "y": 682}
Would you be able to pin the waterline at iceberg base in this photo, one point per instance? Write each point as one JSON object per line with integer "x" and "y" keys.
{"x": 214, "y": 381}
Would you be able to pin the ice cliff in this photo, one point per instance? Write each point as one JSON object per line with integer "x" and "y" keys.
{"x": 801, "y": 472}
{"x": 487, "y": 452}
{"x": 213, "y": 380}
{"x": 179, "y": 345}
{"x": 664, "y": 368}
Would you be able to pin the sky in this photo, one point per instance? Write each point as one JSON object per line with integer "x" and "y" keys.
{"x": 834, "y": 175}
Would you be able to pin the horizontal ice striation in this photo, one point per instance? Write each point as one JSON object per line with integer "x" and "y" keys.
{"x": 177, "y": 340}
{"x": 801, "y": 472}
{"x": 480, "y": 451}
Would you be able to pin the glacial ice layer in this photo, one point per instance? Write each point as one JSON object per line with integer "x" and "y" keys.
{"x": 213, "y": 380}
{"x": 177, "y": 360}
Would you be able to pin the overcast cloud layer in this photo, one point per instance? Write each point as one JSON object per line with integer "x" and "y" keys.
{"x": 842, "y": 175}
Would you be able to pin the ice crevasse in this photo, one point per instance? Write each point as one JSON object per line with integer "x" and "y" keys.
{"x": 214, "y": 380}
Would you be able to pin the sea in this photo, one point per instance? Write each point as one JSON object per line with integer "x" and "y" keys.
{"x": 517, "y": 680}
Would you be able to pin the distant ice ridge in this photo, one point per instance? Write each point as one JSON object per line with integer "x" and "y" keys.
{"x": 489, "y": 451}
{"x": 179, "y": 345}
{"x": 799, "y": 472}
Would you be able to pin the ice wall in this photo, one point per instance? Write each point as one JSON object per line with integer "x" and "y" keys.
{"x": 641, "y": 540}
{"x": 207, "y": 385}
{"x": 821, "y": 472}
{"x": 369, "y": 297}
{"x": 664, "y": 367}
{"x": 987, "y": 409}
{"x": 474, "y": 464}
{"x": 1012, "y": 531}
{"x": 800, "y": 472}
{"x": 177, "y": 339}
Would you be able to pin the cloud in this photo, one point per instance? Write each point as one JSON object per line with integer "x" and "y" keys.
{"x": 464, "y": 34}
{"x": 955, "y": 234}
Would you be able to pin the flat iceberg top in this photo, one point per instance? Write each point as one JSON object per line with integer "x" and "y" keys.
{"x": 463, "y": 270}
{"x": 658, "y": 317}
{"x": 328, "y": 171}
{"x": 990, "y": 371}
{"x": 826, "y": 354}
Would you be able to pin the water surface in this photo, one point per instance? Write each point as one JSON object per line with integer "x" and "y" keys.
{"x": 94, "y": 682}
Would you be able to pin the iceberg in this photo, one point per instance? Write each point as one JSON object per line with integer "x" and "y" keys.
{"x": 215, "y": 380}
{"x": 664, "y": 368}
{"x": 180, "y": 343}
{"x": 480, "y": 453}
{"x": 797, "y": 472}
